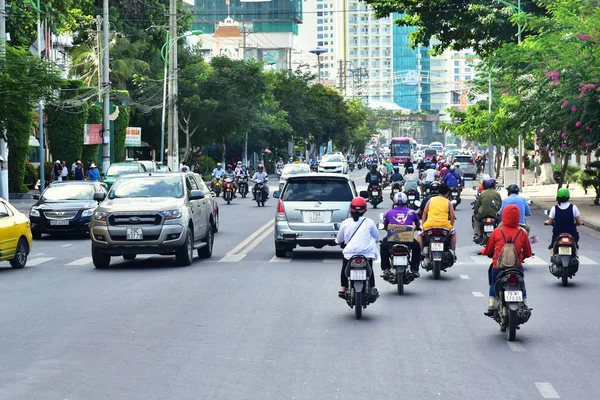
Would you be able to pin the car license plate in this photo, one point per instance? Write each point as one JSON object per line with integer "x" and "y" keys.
{"x": 358, "y": 274}
{"x": 400, "y": 260}
{"x": 59, "y": 222}
{"x": 316, "y": 217}
{"x": 565, "y": 251}
{"x": 135, "y": 234}
{"x": 488, "y": 228}
{"x": 411, "y": 197}
{"x": 513, "y": 295}
{"x": 437, "y": 246}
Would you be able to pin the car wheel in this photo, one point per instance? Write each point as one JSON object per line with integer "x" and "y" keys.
{"x": 36, "y": 235}
{"x": 281, "y": 249}
{"x": 185, "y": 254}
{"x": 206, "y": 251}
{"x": 129, "y": 256}
{"x": 21, "y": 254}
{"x": 100, "y": 259}
{"x": 215, "y": 223}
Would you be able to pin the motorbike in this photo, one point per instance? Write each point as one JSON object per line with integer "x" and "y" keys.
{"x": 400, "y": 257}
{"x": 279, "y": 172}
{"x": 228, "y": 190}
{"x": 351, "y": 166}
{"x": 358, "y": 295}
{"x": 375, "y": 196}
{"x": 360, "y": 165}
{"x": 411, "y": 194}
{"x": 217, "y": 186}
{"x": 436, "y": 250}
{"x": 487, "y": 226}
{"x": 243, "y": 186}
{"x": 509, "y": 309}
{"x": 455, "y": 196}
{"x": 258, "y": 192}
{"x": 565, "y": 263}
{"x": 314, "y": 167}
{"x": 396, "y": 188}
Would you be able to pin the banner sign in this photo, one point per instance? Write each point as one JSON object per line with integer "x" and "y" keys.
{"x": 133, "y": 137}
{"x": 91, "y": 134}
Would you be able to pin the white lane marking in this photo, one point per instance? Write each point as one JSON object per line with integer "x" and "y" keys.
{"x": 38, "y": 261}
{"x": 233, "y": 258}
{"x": 478, "y": 294}
{"x": 481, "y": 260}
{"x": 257, "y": 241}
{"x": 81, "y": 261}
{"x": 464, "y": 277}
{"x": 330, "y": 261}
{"x": 547, "y": 390}
{"x": 377, "y": 262}
{"x": 583, "y": 260}
{"x": 36, "y": 255}
{"x": 535, "y": 260}
{"x": 276, "y": 259}
{"x": 257, "y": 233}
{"x": 517, "y": 347}
{"x": 67, "y": 245}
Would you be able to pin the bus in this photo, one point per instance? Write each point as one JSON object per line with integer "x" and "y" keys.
{"x": 401, "y": 150}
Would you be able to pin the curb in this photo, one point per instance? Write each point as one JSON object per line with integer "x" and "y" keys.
{"x": 589, "y": 224}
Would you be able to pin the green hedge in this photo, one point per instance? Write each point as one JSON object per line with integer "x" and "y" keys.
{"x": 18, "y": 128}
{"x": 31, "y": 175}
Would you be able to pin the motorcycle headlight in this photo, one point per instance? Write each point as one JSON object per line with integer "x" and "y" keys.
{"x": 88, "y": 213}
{"x": 171, "y": 214}
{"x": 34, "y": 213}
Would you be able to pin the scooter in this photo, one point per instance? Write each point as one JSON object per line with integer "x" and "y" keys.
{"x": 359, "y": 295}
{"x": 436, "y": 250}
{"x": 565, "y": 263}
{"x": 228, "y": 190}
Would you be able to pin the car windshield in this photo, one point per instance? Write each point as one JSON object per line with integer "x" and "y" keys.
{"x": 332, "y": 159}
{"x": 317, "y": 190}
{"x": 62, "y": 192}
{"x": 463, "y": 159}
{"x": 149, "y": 165}
{"x": 118, "y": 170}
{"x": 148, "y": 186}
{"x": 293, "y": 169}
{"x": 400, "y": 148}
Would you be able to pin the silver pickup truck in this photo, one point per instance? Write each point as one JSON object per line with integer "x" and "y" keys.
{"x": 153, "y": 213}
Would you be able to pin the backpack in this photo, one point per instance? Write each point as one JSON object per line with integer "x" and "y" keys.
{"x": 508, "y": 255}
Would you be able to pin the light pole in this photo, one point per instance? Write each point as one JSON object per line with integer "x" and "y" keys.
{"x": 318, "y": 51}
{"x": 164, "y": 52}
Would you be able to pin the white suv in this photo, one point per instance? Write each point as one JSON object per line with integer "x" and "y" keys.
{"x": 333, "y": 163}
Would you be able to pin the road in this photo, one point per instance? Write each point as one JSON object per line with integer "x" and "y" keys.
{"x": 248, "y": 325}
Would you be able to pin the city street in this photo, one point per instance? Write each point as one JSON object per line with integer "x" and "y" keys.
{"x": 248, "y": 325}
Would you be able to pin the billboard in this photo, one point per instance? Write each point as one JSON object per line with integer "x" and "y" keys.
{"x": 133, "y": 137}
{"x": 91, "y": 134}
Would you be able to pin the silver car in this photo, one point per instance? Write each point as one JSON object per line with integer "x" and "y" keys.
{"x": 310, "y": 210}
{"x": 467, "y": 165}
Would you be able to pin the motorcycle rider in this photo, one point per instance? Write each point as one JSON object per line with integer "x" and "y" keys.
{"x": 358, "y": 236}
{"x": 374, "y": 176}
{"x": 429, "y": 177}
{"x": 408, "y": 164}
{"x": 520, "y": 202}
{"x": 291, "y": 160}
{"x": 238, "y": 168}
{"x": 452, "y": 179}
{"x": 421, "y": 165}
{"x": 217, "y": 173}
{"x": 411, "y": 181}
{"x": 389, "y": 165}
{"x": 459, "y": 172}
{"x": 565, "y": 216}
{"x": 495, "y": 245}
{"x": 487, "y": 205}
{"x": 230, "y": 173}
{"x": 439, "y": 213}
{"x": 261, "y": 175}
{"x": 400, "y": 214}
{"x": 397, "y": 176}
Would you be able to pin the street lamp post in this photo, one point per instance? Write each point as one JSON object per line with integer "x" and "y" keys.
{"x": 318, "y": 51}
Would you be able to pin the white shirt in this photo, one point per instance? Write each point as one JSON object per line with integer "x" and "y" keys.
{"x": 564, "y": 206}
{"x": 65, "y": 172}
{"x": 430, "y": 175}
{"x": 364, "y": 241}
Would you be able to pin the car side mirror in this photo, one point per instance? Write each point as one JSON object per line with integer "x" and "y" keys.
{"x": 197, "y": 195}
{"x": 35, "y": 197}
{"x": 364, "y": 194}
{"x": 104, "y": 185}
{"x": 99, "y": 196}
{"x": 276, "y": 194}
{"x": 418, "y": 203}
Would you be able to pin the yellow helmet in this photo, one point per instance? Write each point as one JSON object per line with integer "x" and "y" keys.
{"x": 388, "y": 160}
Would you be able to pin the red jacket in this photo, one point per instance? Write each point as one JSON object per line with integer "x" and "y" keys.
{"x": 510, "y": 227}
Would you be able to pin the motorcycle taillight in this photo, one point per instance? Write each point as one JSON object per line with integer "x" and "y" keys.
{"x": 437, "y": 232}
{"x": 489, "y": 221}
{"x": 566, "y": 240}
{"x": 513, "y": 280}
{"x": 399, "y": 251}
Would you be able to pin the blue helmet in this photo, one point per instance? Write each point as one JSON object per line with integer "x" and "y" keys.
{"x": 432, "y": 166}
{"x": 396, "y": 169}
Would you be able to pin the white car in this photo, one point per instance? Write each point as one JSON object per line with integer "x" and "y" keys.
{"x": 333, "y": 163}
{"x": 292, "y": 169}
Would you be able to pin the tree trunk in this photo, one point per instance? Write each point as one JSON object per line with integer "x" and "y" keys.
{"x": 546, "y": 175}
{"x": 498, "y": 162}
{"x": 506, "y": 152}
{"x": 563, "y": 171}
{"x": 224, "y": 150}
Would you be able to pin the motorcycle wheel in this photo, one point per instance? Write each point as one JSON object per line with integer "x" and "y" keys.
{"x": 400, "y": 279}
{"x": 512, "y": 325}
{"x": 437, "y": 269}
{"x": 565, "y": 276}
{"x": 358, "y": 304}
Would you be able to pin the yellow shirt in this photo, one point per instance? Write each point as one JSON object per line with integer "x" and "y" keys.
{"x": 438, "y": 214}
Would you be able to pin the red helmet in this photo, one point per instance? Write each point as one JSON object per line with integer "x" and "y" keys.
{"x": 480, "y": 189}
{"x": 358, "y": 205}
{"x": 260, "y": 166}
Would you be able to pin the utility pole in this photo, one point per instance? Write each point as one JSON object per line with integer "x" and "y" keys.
{"x": 173, "y": 131}
{"x": 106, "y": 87}
{"x": 3, "y": 144}
{"x": 41, "y": 105}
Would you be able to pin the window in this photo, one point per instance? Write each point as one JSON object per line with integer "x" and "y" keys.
{"x": 456, "y": 78}
{"x": 456, "y": 63}
{"x": 319, "y": 21}
{"x": 320, "y": 36}
{"x": 457, "y": 70}
{"x": 319, "y": 7}
{"x": 468, "y": 77}
{"x": 327, "y": 36}
{"x": 467, "y": 70}
{"x": 4, "y": 211}
{"x": 324, "y": 5}
{"x": 319, "y": 29}
{"x": 455, "y": 98}
{"x": 320, "y": 43}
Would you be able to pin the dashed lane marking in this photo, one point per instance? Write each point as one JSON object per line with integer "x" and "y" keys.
{"x": 464, "y": 277}
{"x": 516, "y": 347}
{"x": 535, "y": 260}
{"x": 37, "y": 261}
{"x": 482, "y": 260}
{"x": 547, "y": 390}
{"x": 276, "y": 259}
{"x": 478, "y": 294}
{"x": 67, "y": 245}
{"x": 233, "y": 258}
{"x": 81, "y": 261}
{"x": 583, "y": 260}
{"x": 331, "y": 261}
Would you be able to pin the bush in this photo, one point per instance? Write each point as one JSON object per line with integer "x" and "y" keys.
{"x": 31, "y": 175}
{"x": 206, "y": 165}
{"x": 207, "y": 178}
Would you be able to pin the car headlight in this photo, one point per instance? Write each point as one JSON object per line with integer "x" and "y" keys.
{"x": 88, "y": 212}
{"x": 34, "y": 213}
{"x": 171, "y": 214}
{"x": 100, "y": 216}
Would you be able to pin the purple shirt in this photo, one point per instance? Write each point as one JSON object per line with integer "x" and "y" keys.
{"x": 401, "y": 215}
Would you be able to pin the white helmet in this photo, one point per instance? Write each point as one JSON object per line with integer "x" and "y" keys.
{"x": 239, "y": 163}
{"x": 457, "y": 164}
{"x": 400, "y": 198}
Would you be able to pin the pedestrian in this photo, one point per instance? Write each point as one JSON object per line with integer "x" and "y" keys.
{"x": 184, "y": 167}
{"x": 73, "y": 166}
{"x": 93, "y": 174}
{"x": 57, "y": 171}
{"x": 78, "y": 171}
{"x": 65, "y": 171}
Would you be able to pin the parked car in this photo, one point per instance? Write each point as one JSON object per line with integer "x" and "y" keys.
{"x": 333, "y": 163}
{"x": 163, "y": 168}
{"x": 15, "y": 235}
{"x": 65, "y": 207}
{"x": 292, "y": 169}
{"x": 211, "y": 199}
{"x": 467, "y": 165}
{"x": 117, "y": 169}
{"x": 150, "y": 165}
{"x": 160, "y": 213}
{"x": 310, "y": 209}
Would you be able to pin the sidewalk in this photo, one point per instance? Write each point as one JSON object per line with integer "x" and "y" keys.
{"x": 544, "y": 197}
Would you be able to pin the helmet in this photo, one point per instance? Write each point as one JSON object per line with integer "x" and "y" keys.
{"x": 400, "y": 198}
{"x": 374, "y": 167}
{"x": 387, "y": 160}
{"x": 229, "y": 166}
{"x": 434, "y": 187}
{"x": 513, "y": 189}
{"x": 432, "y": 166}
{"x": 219, "y": 165}
{"x": 457, "y": 164}
{"x": 358, "y": 205}
{"x": 480, "y": 189}
{"x": 396, "y": 169}
{"x": 410, "y": 170}
{"x": 239, "y": 163}
{"x": 260, "y": 166}
{"x": 563, "y": 193}
{"x": 452, "y": 168}
{"x": 489, "y": 183}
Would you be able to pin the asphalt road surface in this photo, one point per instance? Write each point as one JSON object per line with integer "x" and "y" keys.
{"x": 248, "y": 325}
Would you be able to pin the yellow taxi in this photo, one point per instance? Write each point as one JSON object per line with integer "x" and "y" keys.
{"x": 15, "y": 235}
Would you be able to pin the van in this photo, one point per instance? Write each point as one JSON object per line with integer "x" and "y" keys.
{"x": 430, "y": 153}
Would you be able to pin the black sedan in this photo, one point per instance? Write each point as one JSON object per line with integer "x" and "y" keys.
{"x": 65, "y": 208}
